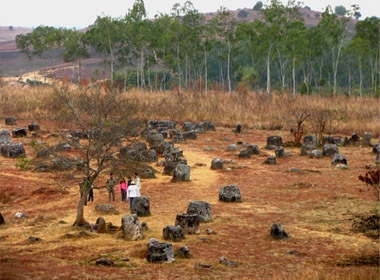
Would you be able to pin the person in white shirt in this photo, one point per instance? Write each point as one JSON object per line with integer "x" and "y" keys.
{"x": 132, "y": 192}
{"x": 137, "y": 181}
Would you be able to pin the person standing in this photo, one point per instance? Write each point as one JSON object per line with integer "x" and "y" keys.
{"x": 123, "y": 189}
{"x": 132, "y": 192}
{"x": 137, "y": 181}
{"x": 110, "y": 184}
{"x": 91, "y": 193}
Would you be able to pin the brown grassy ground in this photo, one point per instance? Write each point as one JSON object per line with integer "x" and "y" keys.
{"x": 316, "y": 207}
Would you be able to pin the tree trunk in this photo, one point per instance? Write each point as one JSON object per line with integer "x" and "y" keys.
{"x": 80, "y": 220}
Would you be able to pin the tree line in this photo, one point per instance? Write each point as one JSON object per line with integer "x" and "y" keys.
{"x": 184, "y": 51}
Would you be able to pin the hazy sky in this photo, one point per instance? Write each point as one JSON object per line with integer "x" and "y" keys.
{"x": 81, "y": 13}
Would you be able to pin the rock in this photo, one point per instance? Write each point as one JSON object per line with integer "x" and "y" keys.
{"x": 105, "y": 209}
{"x": 5, "y": 137}
{"x": 329, "y": 150}
{"x": 20, "y": 215}
{"x": 131, "y": 227}
{"x": 271, "y": 160}
{"x": 277, "y": 232}
{"x": 202, "y": 209}
{"x": 141, "y": 206}
{"x": 230, "y": 193}
{"x": 2, "y": 221}
{"x": 104, "y": 262}
{"x": 10, "y": 121}
{"x": 280, "y": 152}
{"x": 306, "y": 149}
{"x": 245, "y": 154}
{"x": 13, "y": 150}
{"x": 189, "y": 223}
{"x": 273, "y": 142}
{"x": 33, "y": 126}
{"x": 174, "y": 233}
{"x": 183, "y": 252}
{"x": 254, "y": 149}
{"x": 181, "y": 173}
{"x": 19, "y": 132}
{"x": 339, "y": 159}
{"x": 160, "y": 252}
{"x": 217, "y": 163}
{"x": 101, "y": 225}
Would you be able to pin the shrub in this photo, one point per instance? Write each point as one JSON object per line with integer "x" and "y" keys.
{"x": 372, "y": 178}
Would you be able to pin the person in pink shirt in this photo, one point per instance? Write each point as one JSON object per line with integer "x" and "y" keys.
{"x": 123, "y": 189}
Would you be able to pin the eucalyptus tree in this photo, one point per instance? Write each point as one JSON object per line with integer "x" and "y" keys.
{"x": 368, "y": 31}
{"x": 138, "y": 28}
{"x": 225, "y": 26}
{"x": 269, "y": 32}
{"x": 290, "y": 39}
{"x": 104, "y": 36}
{"x": 44, "y": 38}
{"x": 75, "y": 50}
{"x": 161, "y": 43}
{"x": 334, "y": 28}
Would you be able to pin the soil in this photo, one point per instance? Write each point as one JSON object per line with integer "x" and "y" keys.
{"x": 326, "y": 211}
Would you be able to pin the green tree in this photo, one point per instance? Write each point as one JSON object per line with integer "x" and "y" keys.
{"x": 104, "y": 37}
{"x": 340, "y": 10}
{"x": 335, "y": 33}
{"x": 224, "y": 25}
{"x": 368, "y": 30}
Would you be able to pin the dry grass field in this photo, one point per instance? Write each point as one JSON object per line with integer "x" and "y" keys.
{"x": 317, "y": 207}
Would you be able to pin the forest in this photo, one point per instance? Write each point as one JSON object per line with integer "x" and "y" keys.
{"x": 189, "y": 51}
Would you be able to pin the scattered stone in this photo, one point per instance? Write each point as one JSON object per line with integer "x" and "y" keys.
{"x": 329, "y": 150}
{"x": 141, "y": 206}
{"x": 254, "y": 149}
{"x": 232, "y": 147}
{"x": 306, "y": 149}
{"x": 104, "y": 262}
{"x": 19, "y": 132}
{"x": 273, "y": 142}
{"x": 10, "y": 121}
{"x": 5, "y": 137}
{"x": 238, "y": 128}
{"x": 339, "y": 159}
{"x": 2, "y": 221}
{"x": 280, "y": 152}
{"x": 202, "y": 209}
{"x": 245, "y": 154}
{"x": 277, "y": 232}
{"x": 131, "y": 227}
{"x": 33, "y": 126}
{"x": 101, "y": 225}
{"x": 183, "y": 252}
{"x": 13, "y": 150}
{"x": 310, "y": 140}
{"x": 20, "y": 215}
{"x": 189, "y": 223}
{"x": 33, "y": 239}
{"x": 174, "y": 233}
{"x": 230, "y": 193}
{"x": 295, "y": 170}
{"x": 106, "y": 209}
{"x": 367, "y": 137}
{"x": 160, "y": 252}
{"x": 181, "y": 173}
{"x": 210, "y": 231}
{"x": 316, "y": 153}
{"x": 217, "y": 163}
{"x": 271, "y": 160}
{"x": 223, "y": 260}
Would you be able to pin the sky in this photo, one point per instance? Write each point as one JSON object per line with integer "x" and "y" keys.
{"x": 82, "y": 13}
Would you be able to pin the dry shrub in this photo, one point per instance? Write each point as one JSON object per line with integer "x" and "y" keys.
{"x": 340, "y": 115}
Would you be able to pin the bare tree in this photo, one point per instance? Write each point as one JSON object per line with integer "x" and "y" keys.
{"x": 105, "y": 119}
